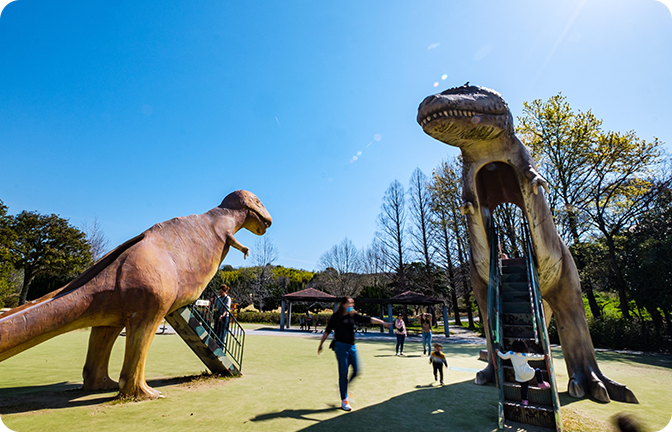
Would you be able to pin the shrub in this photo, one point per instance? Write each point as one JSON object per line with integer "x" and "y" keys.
{"x": 610, "y": 332}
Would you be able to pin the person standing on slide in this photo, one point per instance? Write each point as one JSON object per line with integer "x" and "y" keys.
{"x": 342, "y": 322}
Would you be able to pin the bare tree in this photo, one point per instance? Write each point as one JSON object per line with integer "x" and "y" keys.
{"x": 422, "y": 237}
{"x": 96, "y": 239}
{"x": 391, "y": 232}
{"x": 264, "y": 254}
{"x": 341, "y": 265}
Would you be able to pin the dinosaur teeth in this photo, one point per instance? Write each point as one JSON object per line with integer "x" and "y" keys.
{"x": 445, "y": 113}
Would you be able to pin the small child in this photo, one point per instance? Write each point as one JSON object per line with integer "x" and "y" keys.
{"x": 437, "y": 359}
{"x": 523, "y": 371}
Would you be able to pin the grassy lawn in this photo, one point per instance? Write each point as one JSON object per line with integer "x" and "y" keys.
{"x": 287, "y": 387}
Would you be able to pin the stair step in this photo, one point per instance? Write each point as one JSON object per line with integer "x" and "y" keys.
{"x": 507, "y": 262}
{"x": 516, "y": 287}
{"x": 518, "y": 331}
{"x": 517, "y": 318}
{"x": 515, "y": 296}
{"x": 514, "y": 277}
{"x": 201, "y": 343}
{"x": 536, "y": 396}
{"x": 514, "y": 270}
{"x": 531, "y": 414}
{"x": 517, "y": 307}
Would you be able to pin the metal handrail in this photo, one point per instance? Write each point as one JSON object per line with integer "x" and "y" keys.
{"x": 541, "y": 332}
{"x": 494, "y": 313}
{"x": 234, "y": 343}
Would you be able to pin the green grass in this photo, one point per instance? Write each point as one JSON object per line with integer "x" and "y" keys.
{"x": 287, "y": 387}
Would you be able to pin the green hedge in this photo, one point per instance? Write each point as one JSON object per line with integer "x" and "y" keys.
{"x": 621, "y": 334}
{"x": 274, "y": 318}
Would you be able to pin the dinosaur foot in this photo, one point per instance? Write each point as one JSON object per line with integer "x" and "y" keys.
{"x": 139, "y": 392}
{"x": 485, "y": 376}
{"x": 101, "y": 384}
{"x": 602, "y": 389}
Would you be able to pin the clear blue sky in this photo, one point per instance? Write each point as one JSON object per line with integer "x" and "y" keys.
{"x": 134, "y": 112}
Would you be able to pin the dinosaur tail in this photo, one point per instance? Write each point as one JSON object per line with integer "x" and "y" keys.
{"x": 61, "y": 311}
{"x": 35, "y": 322}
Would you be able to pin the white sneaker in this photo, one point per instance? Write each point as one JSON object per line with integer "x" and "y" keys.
{"x": 402, "y": 353}
{"x": 346, "y": 405}
{"x": 397, "y": 354}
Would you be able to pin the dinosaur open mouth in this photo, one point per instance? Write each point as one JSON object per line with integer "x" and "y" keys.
{"x": 475, "y": 116}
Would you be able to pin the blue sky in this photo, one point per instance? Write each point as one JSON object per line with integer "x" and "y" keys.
{"x": 134, "y": 112}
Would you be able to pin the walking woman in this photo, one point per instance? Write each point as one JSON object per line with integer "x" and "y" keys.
{"x": 426, "y": 324}
{"x": 400, "y": 331}
{"x": 342, "y": 322}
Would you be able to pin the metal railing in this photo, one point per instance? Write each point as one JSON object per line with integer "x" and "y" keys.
{"x": 229, "y": 336}
{"x": 494, "y": 313}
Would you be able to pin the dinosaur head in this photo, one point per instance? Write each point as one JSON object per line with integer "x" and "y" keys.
{"x": 465, "y": 115}
{"x": 258, "y": 218}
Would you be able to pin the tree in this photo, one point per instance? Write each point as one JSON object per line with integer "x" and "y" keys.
{"x": 422, "y": 237}
{"x": 649, "y": 253}
{"x": 373, "y": 265}
{"x": 391, "y": 233}
{"x": 624, "y": 187}
{"x": 7, "y": 237}
{"x": 264, "y": 254}
{"x": 95, "y": 237}
{"x": 598, "y": 180}
{"x": 46, "y": 244}
{"x": 446, "y": 190}
{"x": 341, "y": 265}
{"x": 562, "y": 142}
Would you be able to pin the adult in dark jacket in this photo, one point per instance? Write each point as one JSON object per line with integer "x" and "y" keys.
{"x": 342, "y": 322}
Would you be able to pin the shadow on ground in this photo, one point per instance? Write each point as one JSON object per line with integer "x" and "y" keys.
{"x": 15, "y": 400}
{"x": 461, "y": 406}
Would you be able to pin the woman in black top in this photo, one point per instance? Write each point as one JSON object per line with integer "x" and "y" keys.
{"x": 342, "y": 322}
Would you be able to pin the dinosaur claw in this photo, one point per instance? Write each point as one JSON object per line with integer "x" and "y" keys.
{"x": 575, "y": 389}
{"x": 599, "y": 391}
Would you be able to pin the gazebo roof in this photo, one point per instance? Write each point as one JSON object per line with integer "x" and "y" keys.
{"x": 414, "y": 298}
{"x": 310, "y": 294}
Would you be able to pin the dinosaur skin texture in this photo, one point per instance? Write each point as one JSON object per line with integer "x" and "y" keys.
{"x": 135, "y": 286}
{"x": 497, "y": 168}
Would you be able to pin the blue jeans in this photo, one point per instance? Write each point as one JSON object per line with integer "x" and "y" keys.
{"x": 346, "y": 355}
{"x": 427, "y": 339}
{"x": 400, "y": 343}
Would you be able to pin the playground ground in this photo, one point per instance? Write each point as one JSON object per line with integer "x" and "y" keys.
{"x": 287, "y": 387}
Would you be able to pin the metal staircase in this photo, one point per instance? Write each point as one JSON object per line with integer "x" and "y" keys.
{"x": 221, "y": 353}
{"x": 515, "y": 312}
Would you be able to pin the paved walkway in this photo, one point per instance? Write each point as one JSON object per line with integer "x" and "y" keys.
{"x": 459, "y": 335}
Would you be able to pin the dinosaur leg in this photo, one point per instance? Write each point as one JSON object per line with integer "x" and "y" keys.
{"x": 577, "y": 347}
{"x": 487, "y": 374}
{"x": 139, "y": 336}
{"x": 101, "y": 341}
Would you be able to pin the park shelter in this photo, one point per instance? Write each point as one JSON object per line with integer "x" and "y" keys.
{"x": 307, "y": 295}
{"x": 417, "y": 299}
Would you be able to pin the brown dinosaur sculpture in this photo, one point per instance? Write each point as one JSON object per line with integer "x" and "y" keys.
{"x": 497, "y": 168}
{"x": 135, "y": 286}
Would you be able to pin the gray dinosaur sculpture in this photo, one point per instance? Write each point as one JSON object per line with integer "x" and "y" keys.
{"x": 497, "y": 168}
